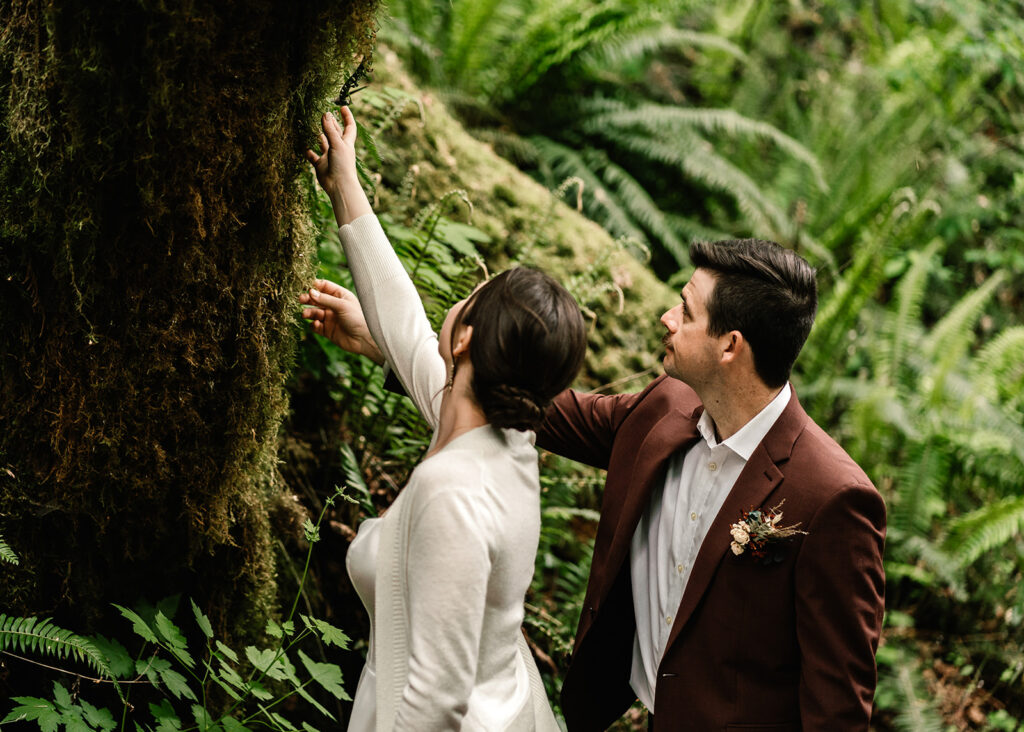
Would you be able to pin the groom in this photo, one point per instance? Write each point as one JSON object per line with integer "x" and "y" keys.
{"x": 700, "y": 603}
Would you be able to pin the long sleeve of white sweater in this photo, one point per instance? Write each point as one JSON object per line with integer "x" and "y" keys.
{"x": 394, "y": 314}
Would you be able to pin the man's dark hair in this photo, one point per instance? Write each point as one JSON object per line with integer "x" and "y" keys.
{"x": 767, "y": 293}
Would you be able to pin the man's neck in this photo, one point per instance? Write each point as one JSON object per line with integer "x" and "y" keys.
{"x": 730, "y": 408}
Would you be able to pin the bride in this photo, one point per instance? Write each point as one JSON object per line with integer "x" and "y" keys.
{"x": 444, "y": 572}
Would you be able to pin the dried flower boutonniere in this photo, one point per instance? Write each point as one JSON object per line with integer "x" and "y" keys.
{"x": 759, "y": 531}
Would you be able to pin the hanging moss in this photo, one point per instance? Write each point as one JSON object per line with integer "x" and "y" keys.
{"x": 152, "y": 245}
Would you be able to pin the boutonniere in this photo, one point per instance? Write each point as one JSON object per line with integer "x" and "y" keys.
{"x": 759, "y": 531}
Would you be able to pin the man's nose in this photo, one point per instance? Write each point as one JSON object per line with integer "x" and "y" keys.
{"x": 669, "y": 320}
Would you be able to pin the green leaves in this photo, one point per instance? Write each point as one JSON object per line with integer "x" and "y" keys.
{"x": 34, "y": 709}
{"x": 74, "y": 715}
{"x": 178, "y": 674}
{"x": 327, "y": 675}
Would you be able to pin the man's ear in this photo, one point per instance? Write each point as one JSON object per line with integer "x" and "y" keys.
{"x": 734, "y": 346}
{"x": 461, "y": 346}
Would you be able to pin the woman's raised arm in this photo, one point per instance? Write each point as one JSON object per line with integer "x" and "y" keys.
{"x": 394, "y": 314}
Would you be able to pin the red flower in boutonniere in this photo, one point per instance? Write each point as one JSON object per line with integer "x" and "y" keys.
{"x": 759, "y": 531}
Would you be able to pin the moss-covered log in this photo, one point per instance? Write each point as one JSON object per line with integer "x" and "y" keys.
{"x": 152, "y": 244}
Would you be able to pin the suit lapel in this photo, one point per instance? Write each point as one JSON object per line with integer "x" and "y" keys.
{"x": 760, "y": 476}
{"x": 672, "y": 432}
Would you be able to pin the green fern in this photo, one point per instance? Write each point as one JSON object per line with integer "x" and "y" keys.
{"x": 619, "y": 51}
{"x": 985, "y": 529}
{"x": 1000, "y": 364}
{"x": 6, "y": 553}
{"x": 952, "y": 336}
{"x": 917, "y": 707}
{"x": 659, "y": 119}
{"x": 909, "y": 295}
{"x": 43, "y": 637}
{"x": 601, "y": 203}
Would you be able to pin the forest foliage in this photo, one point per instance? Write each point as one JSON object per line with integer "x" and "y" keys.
{"x": 884, "y": 142}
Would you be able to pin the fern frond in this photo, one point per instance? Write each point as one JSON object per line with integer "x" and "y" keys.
{"x": 601, "y": 203}
{"x": 985, "y": 529}
{"x": 918, "y": 711}
{"x": 909, "y": 295}
{"x": 6, "y": 553}
{"x": 557, "y": 33}
{"x": 936, "y": 562}
{"x": 689, "y": 229}
{"x": 1000, "y": 362}
{"x": 696, "y": 159}
{"x": 639, "y": 204}
{"x": 630, "y": 48}
{"x": 952, "y": 336}
{"x": 919, "y": 489}
{"x": 42, "y": 636}
{"x": 840, "y": 311}
{"x": 661, "y": 118}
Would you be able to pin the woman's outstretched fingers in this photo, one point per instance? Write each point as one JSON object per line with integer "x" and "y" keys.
{"x": 349, "y": 133}
{"x": 332, "y": 130}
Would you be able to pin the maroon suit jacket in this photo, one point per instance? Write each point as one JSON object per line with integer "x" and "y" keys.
{"x": 785, "y": 646}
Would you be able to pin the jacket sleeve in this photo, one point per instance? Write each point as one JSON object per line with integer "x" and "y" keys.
{"x": 840, "y": 588}
{"x": 448, "y": 566}
{"x": 582, "y": 426}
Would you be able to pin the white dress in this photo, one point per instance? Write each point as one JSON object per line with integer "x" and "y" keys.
{"x": 444, "y": 572}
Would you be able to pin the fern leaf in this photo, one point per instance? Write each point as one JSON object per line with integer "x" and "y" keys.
{"x": 909, "y": 295}
{"x": 6, "y": 553}
{"x": 660, "y": 118}
{"x": 1001, "y": 361}
{"x": 43, "y": 637}
{"x": 630, "y": 48}
{"x": 985, "y": 529}
{"x": 918, "y": 491}
{"x": 639, "y": 204}
{"x": 601, "y": 203}
{"x": 918, "y": 711}
{"x": 951, "y": 337}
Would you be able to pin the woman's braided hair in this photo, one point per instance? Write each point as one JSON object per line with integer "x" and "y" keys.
{"x": 529, "y": 341}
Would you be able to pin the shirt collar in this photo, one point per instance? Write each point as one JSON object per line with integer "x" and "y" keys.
{"x": 749, "y": 436}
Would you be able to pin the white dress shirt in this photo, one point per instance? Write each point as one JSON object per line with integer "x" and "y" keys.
{"x": 674, "y": 526}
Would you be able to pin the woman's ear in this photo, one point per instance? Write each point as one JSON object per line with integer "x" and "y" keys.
{"x": 465, "y": 335}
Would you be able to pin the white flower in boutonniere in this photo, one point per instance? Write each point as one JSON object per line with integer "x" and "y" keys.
{"x": 740, "y": 533}
{"x": 758, "y": 529}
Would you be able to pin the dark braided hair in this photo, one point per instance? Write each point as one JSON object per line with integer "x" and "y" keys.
{"x": 528, "y": 344}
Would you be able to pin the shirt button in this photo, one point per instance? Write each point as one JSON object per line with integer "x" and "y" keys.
{"x": 712, "y": 467}
{"x": 679, "y": 568}
{"x": 668, "y": 620}
{"x": 693, "y": 516}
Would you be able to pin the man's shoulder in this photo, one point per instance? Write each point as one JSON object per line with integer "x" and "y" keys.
{"x": 816, "y": 452}
{"x": 666, "y": 393}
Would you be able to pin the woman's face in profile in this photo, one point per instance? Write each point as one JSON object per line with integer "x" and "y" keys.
{"x": 444, "y": 342}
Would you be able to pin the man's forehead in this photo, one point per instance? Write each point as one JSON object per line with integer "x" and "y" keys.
{"x": 699, "y": 286}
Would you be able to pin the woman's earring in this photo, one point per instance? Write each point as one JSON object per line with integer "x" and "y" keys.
{"x": 451, "y": 380}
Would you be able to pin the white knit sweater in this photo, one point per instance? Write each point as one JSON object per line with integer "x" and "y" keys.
{"x": 456, "y": 549}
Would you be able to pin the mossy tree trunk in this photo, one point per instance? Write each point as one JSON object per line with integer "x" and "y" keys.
{"x": 153, "y": 242}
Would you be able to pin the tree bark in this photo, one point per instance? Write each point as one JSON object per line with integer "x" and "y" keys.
{"x": 153, "y": 240}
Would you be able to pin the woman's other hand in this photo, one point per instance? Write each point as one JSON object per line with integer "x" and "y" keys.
{"x": 336, "y": 314}
{"x": 335, "y": 167}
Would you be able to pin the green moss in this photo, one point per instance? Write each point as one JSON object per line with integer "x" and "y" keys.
{"x": 152, "y": 244}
